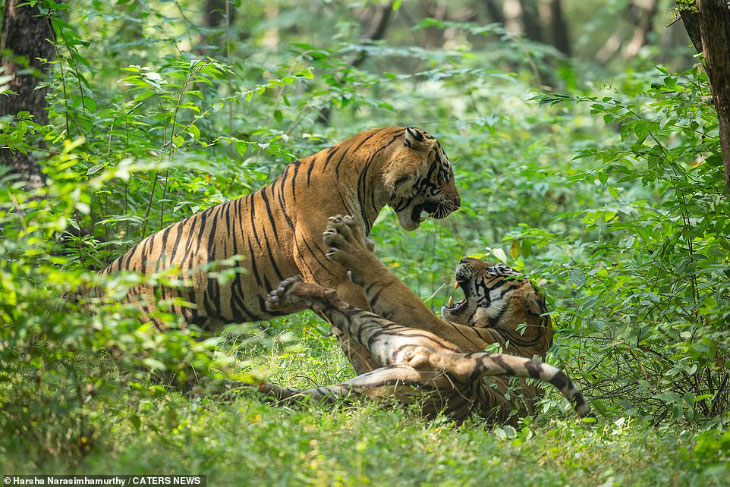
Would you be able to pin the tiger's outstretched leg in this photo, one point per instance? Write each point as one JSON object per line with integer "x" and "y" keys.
{"x": 396, "y": 382}
{"x": 430, "y": 362}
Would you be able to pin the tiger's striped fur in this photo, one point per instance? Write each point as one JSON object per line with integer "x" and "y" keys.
{"x": 278, "y": 229}
{"x": 445, "y": 359}
{"x": 414, "y": 364}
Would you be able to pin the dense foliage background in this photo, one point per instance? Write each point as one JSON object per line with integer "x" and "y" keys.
{"x": 586, "y": 155}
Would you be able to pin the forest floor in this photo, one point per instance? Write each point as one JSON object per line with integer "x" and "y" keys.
{"x": 240, "y": 439}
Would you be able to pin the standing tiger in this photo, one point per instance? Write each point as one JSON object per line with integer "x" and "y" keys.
{"x": 277, "y": 230}
{"x": 420, "y": 357}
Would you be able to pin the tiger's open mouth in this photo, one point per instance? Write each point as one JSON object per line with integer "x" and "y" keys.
{"x": 433, "y": 208}
{"x": 463, "y": 273}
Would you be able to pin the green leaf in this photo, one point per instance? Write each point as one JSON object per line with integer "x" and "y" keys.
{"x": 499, "y": 255}
{"x": 668, "y": 397}
{"x": 95, "y": 169}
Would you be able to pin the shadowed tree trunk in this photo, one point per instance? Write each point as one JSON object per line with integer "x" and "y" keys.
{"x": 559, "y": 28}
{"x": 27, "y": 48}
{"x": 643, "y": 17}
{"x": 531, "y": 20}
{"x": 214, "y": 13}
{"x": 494, "y": 11}
{"x": 376, "y": 32}
{"x": 709, "y": 29}
{"x": 642, "y": 32}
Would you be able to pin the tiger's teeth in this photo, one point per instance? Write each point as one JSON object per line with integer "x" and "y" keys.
{"x": 456, "y": 285}
{"x": 451, "y": 301}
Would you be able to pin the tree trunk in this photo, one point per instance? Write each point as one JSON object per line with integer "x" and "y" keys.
{"x": 214, "y": 13}
{"x": 713, "y": 21}
{"x": 29, "y": 36}
{"x": 530, "y": 20}
{"x": 494, "y": 12}
{"x": 642, "y": 31}
{"x": 378, "y": 26}
{"x": 559, "y": 28}
{"x": 512, "y": 11}
{"x": 691, "y": 21}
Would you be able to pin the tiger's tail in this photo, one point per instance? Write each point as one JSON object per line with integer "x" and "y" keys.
{"x": 488, "y": 364}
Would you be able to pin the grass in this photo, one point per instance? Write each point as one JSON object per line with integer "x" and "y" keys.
{"x": 242, "y": 440}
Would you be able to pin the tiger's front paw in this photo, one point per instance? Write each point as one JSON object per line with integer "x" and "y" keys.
{"x": 293, "y": 293}
{"x": 347, "y": 243}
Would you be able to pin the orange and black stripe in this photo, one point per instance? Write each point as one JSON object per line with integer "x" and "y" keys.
{"x": 274, "y": 230}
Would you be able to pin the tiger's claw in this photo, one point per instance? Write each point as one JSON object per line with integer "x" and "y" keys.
{"x": 281, "y": 296}
{"x": 345, "y": 240}
{"x": 294, "y": 292}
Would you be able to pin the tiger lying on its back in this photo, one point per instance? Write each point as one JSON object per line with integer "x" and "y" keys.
{"x": 278, "y": 229}
{"x": 444, "y": 361}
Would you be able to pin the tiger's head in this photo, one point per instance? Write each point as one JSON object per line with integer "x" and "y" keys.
{"x": 494, "y": 297}
{"x": 419, "y": 178}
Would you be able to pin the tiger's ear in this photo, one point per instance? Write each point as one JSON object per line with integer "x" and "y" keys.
{"x": 414, "y": 139}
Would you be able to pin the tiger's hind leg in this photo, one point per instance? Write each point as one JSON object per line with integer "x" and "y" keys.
{"x": 396, "y": 382}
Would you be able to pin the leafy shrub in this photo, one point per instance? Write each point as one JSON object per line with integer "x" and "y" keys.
{"x": 651, "y": 293}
